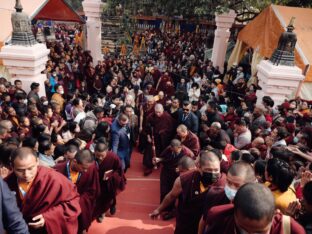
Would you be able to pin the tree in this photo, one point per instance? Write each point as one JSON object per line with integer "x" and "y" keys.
{"x": 246, "y": 9}
{"x": 75, "y": 4}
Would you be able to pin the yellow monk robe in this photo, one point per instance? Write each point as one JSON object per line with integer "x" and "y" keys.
{"x": 73, "y": 175}
{"x": 23, "y": 188}
{"x": 143, "y": 46}
{"x": 123, "y": 50}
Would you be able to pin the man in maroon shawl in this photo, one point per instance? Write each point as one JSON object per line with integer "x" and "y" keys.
{"x": 191, "y": 189}
{"x": 239, "y": 173}
{"x": 82, "y": 172}
{"x": 111, "y": 178}
{"x": 160, "y": 129}
{"x": 48, "y": 201}
{"x": 189, "y": 139}
{"x": 253, "y": 212}
{"x": 170, "y": 158}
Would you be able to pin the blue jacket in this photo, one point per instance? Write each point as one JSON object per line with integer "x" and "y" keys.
{"x": 190, "y": 121}
{"x": 11, "y": 219}
{"x": 120, "y": 139}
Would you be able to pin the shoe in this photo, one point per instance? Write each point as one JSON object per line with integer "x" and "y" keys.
{"x": 148, "y": 171}
{"x": 112, "y": 210}
{"x": 100, "y": 218}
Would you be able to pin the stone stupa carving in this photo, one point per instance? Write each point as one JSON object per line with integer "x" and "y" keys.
{"x": 22, "y": 33}
{"x": 285, "y": 51}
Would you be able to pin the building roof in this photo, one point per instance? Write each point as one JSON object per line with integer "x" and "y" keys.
{"x": 264, "y": 31}
{"x": 57, "y": 10}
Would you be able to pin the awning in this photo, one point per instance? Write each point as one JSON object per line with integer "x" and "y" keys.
{"x": 59, "y": 10}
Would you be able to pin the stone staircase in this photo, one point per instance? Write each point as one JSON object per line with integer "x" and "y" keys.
{"x": 111, "y": 31}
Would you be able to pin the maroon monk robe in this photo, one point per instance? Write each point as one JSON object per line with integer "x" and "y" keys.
{"x": 168, "y": 172}
{"x": 110, "y": 187}
{"x": 53, "y": 196}
{"x": 191, "y": 141}
{"x": 147, "y": 110}
{"x": 88, "y": 187}
{"x": 221, "y": 220}
{"x": 215, "y": 197}
{"x": 163, "y": 128}
{"x": 191, "y": 202}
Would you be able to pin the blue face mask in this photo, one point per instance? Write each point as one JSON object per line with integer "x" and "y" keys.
{"x": 229, "y": 192}
{"x": 295, "y": 140}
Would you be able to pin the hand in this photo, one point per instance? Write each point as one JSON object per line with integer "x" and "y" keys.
{"x": 305, "y": 178}
{"x": 39, "y": 222}
{"x": 63, "y": 123}
{"x": 293, "y": 208}
{"x": 140, "y": 129}
{"x": 59, "y": 159}
{"x": 154, "y": 214}
{"x": 294, "y": 149}
{"x": 54, "y": 124}
{"x": 149, "y": 139}
{"x": 156, "y": 160}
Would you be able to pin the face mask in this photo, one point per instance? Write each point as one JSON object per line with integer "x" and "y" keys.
{"x": 62, "y": 92}
{"x": 295, "y": 140}
{"x": 45, "y": 103}
{"x": 229, "y": 192}
{"x": 209, "y": 178}
{"x": 25, "y": 101}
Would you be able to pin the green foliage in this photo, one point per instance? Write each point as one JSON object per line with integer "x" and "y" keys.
{"x": 76, "y": 4}
{"x": 203, "y": 8}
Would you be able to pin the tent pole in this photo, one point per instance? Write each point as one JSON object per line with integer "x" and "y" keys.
{"x": 301, "y": 82}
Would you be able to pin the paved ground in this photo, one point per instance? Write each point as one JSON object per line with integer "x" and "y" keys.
{"x": 134, "y": 204}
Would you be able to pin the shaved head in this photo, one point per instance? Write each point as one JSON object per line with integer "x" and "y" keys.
{"x": 255, "y": 202}
{"x": 22, "y": 153}
{"x": 208, "y": 156}
{"x": 84, "y": 156}
{"x": 182, "y": 128}
{"x": 243, "y": 170}
{"x": 159, "y": 107}
{"x": 186, "y": 163}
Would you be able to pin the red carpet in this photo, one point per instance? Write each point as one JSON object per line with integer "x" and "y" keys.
{"x": 134, "y": 204}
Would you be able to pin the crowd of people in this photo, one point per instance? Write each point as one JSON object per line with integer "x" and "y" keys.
{"x": 233, "y": 163}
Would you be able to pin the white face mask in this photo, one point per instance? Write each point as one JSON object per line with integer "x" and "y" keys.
{"x": 45, "y": 103}
{"x": 229, "y": 192}
{"x": 61, "y": 92}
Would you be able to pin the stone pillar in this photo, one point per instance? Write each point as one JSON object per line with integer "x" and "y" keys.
{"x": 93, "y": 11}
{"x": 224, "y": 23}
{"x": 26, "y": 63}
{"x": 278, "y": 82}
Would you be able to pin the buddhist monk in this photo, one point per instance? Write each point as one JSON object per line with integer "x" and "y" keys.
{"x": 48, "y": 201}
{"x": 112, "y": 180}
{"x": 185, "y": 164}
{"x": 82, "y": 172}
{"x": 253, "y": 212}
{"x": 189, "y": 139}
{"x": 146, "y": 109}
{"x": 160, "y": 130}
{"x": 169, "y": 158}
{"x": 239, "y": 173}
{"x": 191, "y": 189}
